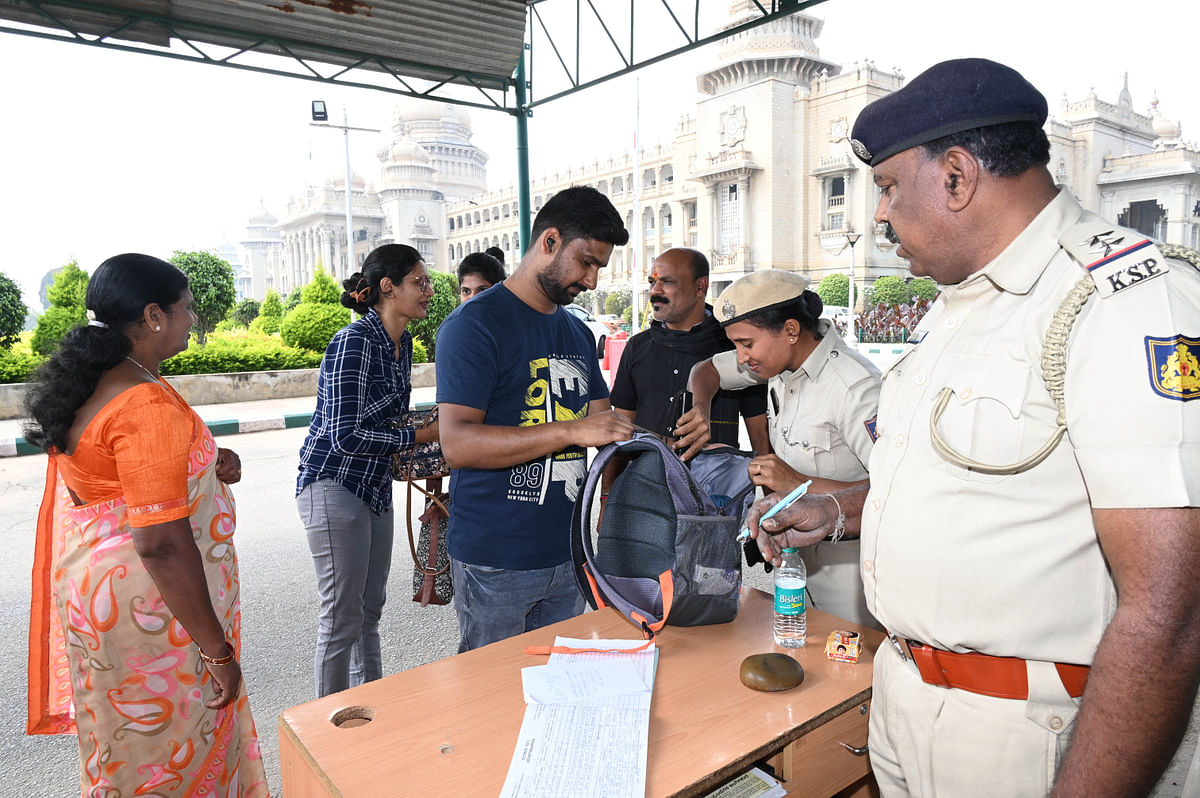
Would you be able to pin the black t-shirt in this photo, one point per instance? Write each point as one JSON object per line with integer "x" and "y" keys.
{"x": 655, "y": 366}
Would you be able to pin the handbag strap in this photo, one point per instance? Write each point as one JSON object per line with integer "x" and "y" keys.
{"x": 412, "y": 543}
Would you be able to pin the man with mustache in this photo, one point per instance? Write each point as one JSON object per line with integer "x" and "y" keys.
{"x": 655, "y": 365}
{"x": 520, "y": 395}
{"x": 1029, "y": 535}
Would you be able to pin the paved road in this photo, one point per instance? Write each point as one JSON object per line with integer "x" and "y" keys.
{"x": 279, "y": 609}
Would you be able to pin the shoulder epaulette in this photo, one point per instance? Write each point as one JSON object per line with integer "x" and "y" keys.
{"x": 1116, "y": 258}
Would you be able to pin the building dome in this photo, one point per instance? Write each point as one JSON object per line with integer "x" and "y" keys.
{"x": 262, "y": 217}
{"x": 339, "y": 181}
{"x": 1164, "y": 128}
{"x": 405, "y": 150}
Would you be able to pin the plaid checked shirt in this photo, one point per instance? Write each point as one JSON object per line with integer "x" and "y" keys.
{"x": 361, "y": 387}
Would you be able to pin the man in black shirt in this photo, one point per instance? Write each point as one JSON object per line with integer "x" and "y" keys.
{"x": 656, "y": 362}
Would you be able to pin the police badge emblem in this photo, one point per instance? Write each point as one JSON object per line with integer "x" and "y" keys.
{"x": 728, "y": 309}
{"x": 1174, "y": 364}
{"x": 860, "y": 150}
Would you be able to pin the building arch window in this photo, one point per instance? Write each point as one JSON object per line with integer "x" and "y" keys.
{"x": 602, "y": 187}
{"x": 487, "y": 214}
{"x": 504, "y": 243}
{"x": 649, "y": 179}
{"x": 495, "y": 212}
{"x": 835, "y": 203}
{"x": 460, "y": 252}
{"x": 648, "y": 221}
{"x": 729, "y": 234}
{"x": 477, "y": 217}
{"x": 618, "y": 186}
{"x": 664, "y": 218}
{"x": 668, "y": 174}
{"x": 450, "y": 257}
{"x": 451, "y": 224}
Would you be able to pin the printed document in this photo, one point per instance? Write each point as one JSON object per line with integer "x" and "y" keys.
{"x": 587, "y": 724}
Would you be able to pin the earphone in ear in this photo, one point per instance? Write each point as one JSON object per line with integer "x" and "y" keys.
{"x": 550, "y": 244}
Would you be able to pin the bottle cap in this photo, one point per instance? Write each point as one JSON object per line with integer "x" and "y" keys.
{"x": 791, "y": 549}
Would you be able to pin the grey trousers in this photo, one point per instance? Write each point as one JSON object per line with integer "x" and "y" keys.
{"x": 352, "y": 551}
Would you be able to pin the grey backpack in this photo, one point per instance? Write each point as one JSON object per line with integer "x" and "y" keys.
{"x": 666, "y": 550}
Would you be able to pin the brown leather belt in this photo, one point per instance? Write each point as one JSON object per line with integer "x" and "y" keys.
{"x": 1001, "y": 677}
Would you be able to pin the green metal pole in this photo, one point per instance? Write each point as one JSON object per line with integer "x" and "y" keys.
{"x": 525, "y": 222}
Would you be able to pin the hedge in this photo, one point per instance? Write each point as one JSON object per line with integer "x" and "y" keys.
{"x": 245, "y": 352}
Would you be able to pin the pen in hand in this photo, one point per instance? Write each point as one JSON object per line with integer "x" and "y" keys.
{"x": 783, "y": 504}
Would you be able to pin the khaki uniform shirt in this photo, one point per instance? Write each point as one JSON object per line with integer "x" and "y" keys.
{"x": 817, "y": 415}
{"x": 819, "y": 419}
{"x": 1010, "y": 565}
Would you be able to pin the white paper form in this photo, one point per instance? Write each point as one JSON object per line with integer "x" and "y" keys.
{"x": 593, "y": 747}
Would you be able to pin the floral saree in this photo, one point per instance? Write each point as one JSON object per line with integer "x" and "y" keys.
{"x": 109, "y": 661}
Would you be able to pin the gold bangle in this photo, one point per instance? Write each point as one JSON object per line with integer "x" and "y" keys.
{"x": 225, "y": 660}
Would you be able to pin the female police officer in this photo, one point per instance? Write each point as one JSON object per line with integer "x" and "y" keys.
{"x": 821, "y": 400}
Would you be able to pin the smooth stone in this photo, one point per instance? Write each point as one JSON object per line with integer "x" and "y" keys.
{"x": 771, "y": 672}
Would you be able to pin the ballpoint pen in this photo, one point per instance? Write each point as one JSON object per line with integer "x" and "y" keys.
{"x": 783, "y": 504}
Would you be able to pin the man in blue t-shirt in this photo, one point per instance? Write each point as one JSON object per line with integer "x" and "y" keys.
{"x": 520, "y": 395}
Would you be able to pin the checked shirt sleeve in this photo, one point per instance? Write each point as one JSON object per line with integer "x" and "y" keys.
{"x": 361, "y": 400}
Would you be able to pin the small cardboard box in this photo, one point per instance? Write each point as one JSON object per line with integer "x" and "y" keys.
{"x": 842, "y": 646}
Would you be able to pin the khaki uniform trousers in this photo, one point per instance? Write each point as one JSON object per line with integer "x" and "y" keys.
{"x": 932, "y": 741}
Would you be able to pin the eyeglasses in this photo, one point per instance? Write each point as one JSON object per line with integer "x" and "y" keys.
{"x": 422, "y": 283}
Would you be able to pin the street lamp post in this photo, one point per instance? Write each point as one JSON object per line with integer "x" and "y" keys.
{"x": 320, "y": 117}
{"x": 852, "y": 239}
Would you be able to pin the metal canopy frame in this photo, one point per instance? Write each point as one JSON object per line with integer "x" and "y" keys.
{"x": 291, "y": 40}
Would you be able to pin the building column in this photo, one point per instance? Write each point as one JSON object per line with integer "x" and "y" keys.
{"x": 743, "y": 189}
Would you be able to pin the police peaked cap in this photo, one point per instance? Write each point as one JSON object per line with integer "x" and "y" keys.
{"x": 758, "y": 291}
{"x": 947, "y": 98}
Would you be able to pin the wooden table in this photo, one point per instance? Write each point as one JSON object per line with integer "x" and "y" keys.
{"x": 450, "y": 727}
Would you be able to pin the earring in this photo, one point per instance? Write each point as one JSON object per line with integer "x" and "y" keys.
{"x": 158, "y": 329}
{"x": 791, "y": 340}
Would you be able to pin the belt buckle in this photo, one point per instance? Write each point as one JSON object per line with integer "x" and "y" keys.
{"x": 900, "y": 647}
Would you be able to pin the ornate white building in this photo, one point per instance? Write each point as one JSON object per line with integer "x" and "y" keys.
{"x": 760, "y": 176}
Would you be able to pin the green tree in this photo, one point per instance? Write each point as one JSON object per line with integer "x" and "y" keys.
{"x": 271, "y": 306}
{"x": 67, "y": 296}
{"x": 834, "y": 290}
{"x": 891, "y": 290}
{"x": 322, "y": 290}
{"x": 293, "y": 299}
{"x": 924, "y": 288}
{"x": 312, "y": 325}
{"x": 245, "y": 312}
{"x": 12, "y": 312}
{"x": 213, "y": 288}
{"x": 616, "y": 302}
{"x": 444, "y": 300}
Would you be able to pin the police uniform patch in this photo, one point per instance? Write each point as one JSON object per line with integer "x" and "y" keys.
{"x": 1115, "y": 258}
{"x": 870, "y": 425}
{"x": 1174, "y": 364}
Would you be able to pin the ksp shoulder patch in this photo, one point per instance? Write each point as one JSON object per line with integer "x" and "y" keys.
{"x": 1116, "y": 258}
{"x": 1174, "y": 364}
{"x": 870, "y": 424}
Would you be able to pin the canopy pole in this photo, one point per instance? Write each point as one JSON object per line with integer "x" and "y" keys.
{"x": 525, "y": 221}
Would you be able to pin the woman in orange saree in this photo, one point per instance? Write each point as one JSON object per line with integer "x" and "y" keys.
{"x": 135, "y": 629}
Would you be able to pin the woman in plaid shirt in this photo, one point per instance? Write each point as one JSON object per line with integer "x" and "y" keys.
{"x": 344, "y": 490}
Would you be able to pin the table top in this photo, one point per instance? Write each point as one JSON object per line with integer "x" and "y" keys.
{"x": 452, "y": 725}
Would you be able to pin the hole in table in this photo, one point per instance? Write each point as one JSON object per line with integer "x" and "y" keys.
{"x": 349, "y": 717}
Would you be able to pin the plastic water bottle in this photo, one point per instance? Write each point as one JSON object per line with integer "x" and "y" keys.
{"x": 791, "y": 581}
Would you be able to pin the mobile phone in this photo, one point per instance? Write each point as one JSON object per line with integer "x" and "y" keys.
{"x": 682, "y": 402}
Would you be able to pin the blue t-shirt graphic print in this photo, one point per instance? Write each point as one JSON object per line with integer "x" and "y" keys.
{"x": 522, "y": 368}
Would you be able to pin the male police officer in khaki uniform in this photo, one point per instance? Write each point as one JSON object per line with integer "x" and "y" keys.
{"x": 1030, "y": 536}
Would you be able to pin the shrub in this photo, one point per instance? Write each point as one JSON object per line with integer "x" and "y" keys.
{"x": 271, "y": 306}
{"x": 923, "y": 288}
{"x": 293, "y": 300}
{"x": 322, "y": 290}
{"x": 311, "y": 325}
{"x": 265, "y": 325}
{"x": 17, "y": 366}
{"x": 53, "y": 325}
{"x": 444, "y": 300}
{"x": 245, "y": 312}
{"x": 419, "y": 353}
{"x": 616, "y": 302}
{"x": 834, "y": 290}
{"x": 891, "y": 290}
{"x": 240, "y": 352}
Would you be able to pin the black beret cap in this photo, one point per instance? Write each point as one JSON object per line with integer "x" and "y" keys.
{"x": 947, "y": 98}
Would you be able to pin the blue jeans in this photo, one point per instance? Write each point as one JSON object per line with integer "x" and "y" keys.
{"x": 495, "y": 603}
{"x": 352, "y": 550}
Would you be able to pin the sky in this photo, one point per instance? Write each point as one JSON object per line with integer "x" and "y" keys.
{"x": 104, "y": 152}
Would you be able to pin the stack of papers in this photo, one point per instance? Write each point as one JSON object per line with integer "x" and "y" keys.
{"x": 586, "y": 729}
